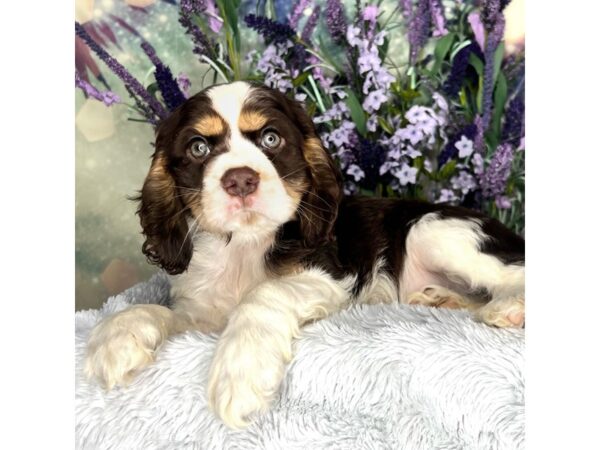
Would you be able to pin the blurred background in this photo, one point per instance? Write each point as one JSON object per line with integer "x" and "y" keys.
{"x": 113, "y": 152}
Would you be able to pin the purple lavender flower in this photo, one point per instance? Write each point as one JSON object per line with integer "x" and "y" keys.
{"x": 493, "y": 40}
{"x": 273, "y": 32}
{"x": 406, "y": 7}
{"x": 336, "y": 20}
{"x": 167, "y": 84}
{"x": 458, "y": 72}
{"x": 297, "y": 11}
{"x": 190, "y": 7}
{"x": 134, "y": 85}
{"x": 513, "y": 127}
{"x": 438, "y": 18}
{"x": 493, "y": 180}
{"x": 311, "y": 23}
{"x": 491, "y": 11}
{"x": 108, "y": 98}
{"x": 418, "y": 29}
{"x": 201, "y": 43}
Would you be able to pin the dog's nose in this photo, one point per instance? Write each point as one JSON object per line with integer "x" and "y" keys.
{"x": 240, "y": 181}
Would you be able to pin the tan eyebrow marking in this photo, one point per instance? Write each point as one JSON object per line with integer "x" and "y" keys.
{"x": 210, "y": 126}
{"x": 251, "y": 121}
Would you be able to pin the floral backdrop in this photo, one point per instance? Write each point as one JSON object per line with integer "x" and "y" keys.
{"x": 414, "y": 98}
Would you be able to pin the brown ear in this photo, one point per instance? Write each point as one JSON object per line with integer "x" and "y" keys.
{"x": 163, "y": 220}
{"x": 320, "y": 204}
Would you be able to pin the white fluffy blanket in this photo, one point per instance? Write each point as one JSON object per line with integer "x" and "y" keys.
{"x": 372, "y": 377}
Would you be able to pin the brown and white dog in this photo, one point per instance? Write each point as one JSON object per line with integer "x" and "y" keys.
{"x": 244, "y": 207}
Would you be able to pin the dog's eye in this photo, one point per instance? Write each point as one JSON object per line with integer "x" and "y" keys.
{"x": 199, "y": 147}
{"x": 270, "y": 140}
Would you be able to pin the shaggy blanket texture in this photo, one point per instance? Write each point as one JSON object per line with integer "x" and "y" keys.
{"x": 371, "y": 377}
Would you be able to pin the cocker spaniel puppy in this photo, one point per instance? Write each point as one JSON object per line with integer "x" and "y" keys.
{"x": 244, "y": 208}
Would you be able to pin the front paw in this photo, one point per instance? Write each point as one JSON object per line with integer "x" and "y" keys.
{"x": 245, "y": 376}
{"x": 122, "y": 344}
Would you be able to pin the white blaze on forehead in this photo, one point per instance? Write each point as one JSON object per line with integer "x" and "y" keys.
{"x": 227, "y": 101}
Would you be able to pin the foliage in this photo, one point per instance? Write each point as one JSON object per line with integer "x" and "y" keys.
{"x": 445, "y": 126}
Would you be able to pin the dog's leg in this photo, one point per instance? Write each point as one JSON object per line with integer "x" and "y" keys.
{"x": 125, "y": 342}
{"x": 252, "y": 353}
{"x": 451, "y": 249}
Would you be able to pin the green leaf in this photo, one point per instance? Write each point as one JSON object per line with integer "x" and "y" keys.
{"x": 152, "y": 89}
{"x": 300, "y": 79}
{"x": 477, "y": 64}
{"x": 385, "y": 125}
{"x": 447, "y": 170}
{"x": 498, "y": 56}
{"x": 443, "y": 46}
{"x": 356, "y": 112}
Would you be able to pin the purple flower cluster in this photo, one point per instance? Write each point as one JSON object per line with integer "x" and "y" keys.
{"x": 418, "y": 28}
{"x": 297, "y": 11}
{"x": 460, "y": 66}
{"x": 493, "y": 180}
{"x": 311, "y": 24}
{"x": 133, "y": 85}
{"x": 273, "y": 65}
{"x": 513, "y": 128}
{"x": 188, "y": 9}
{"x": 167, "y": 84}
{"x": 491, "y": 11}
{"x": 107, "y": 97}
{"x": 336, "y": 20}
{"x": 377, "y": 79}
{"x": 493, "y": 40}
{"x": 273, "y": 32}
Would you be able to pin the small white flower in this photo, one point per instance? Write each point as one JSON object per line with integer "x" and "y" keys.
{"x": 446, "y": 195}
{"x": 406, "y": 174}
{"x": 464, "y": 146}
{"x": 356, "y": 172}
{"x": 411, "y": 133}
{"x": 352, "y": 35}
{"x": 440, "y": 101}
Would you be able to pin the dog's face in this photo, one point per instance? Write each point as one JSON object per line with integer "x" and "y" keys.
{"x": 235, "y": 158}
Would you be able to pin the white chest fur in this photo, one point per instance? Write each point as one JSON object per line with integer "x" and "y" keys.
{"x": 219, "y": 275}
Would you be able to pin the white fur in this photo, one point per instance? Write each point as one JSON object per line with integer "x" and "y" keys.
{"x": 436, "y": 246}
{"x": 381, "y": 289}
{"x": 252, "y": 353}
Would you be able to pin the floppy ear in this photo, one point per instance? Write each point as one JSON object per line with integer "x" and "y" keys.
{"x": 321, "y": 202}
{"x": 163, "y": 220}
{"x": 162, "y": 212}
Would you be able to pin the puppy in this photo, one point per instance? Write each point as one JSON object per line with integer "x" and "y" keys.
{"x": 244, "y": 208}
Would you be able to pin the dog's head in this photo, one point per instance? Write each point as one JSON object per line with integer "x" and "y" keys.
{"x": 238, "y": 159}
